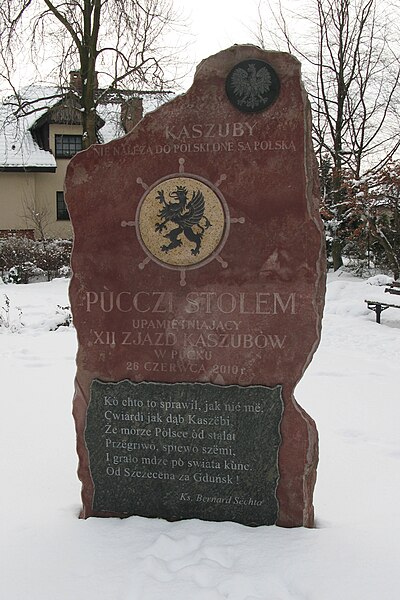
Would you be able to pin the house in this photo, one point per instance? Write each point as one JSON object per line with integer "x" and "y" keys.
{"x": 35, "y": 150}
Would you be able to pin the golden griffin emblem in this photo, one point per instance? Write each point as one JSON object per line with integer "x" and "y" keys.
{"x": 187, "y": 215}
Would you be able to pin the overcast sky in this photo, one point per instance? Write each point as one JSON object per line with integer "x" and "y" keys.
{"x": 211, "y": 26}
{"x": 217, "y": 24}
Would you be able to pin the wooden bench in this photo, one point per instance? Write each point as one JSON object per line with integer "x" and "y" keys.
{"x": 378, "y": 306}
{"x": 394, "y": 288}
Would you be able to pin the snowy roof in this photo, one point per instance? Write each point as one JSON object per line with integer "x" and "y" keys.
{"x": 112, "y": 128}
{"x": 110, "y": 112}
{"x": 18, "y": 148}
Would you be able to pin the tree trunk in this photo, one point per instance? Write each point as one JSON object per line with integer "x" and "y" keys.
{"x": 89, "y": 128}
{"x": 391, "y": 255}
{"x": 337, "y": 254}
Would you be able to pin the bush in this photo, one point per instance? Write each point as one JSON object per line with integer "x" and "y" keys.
{"x": 21, "y": 259}
{"x": 63, "y": 317}
{"x": 10, "y": 317}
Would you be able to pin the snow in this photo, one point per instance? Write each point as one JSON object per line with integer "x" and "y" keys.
{"x": 110, "y": 112}
{"x": 18, "y": 149}
{"x": 378, "y": 294}
{"x": 350, "y": 389}
{"x": 112, "y": 128}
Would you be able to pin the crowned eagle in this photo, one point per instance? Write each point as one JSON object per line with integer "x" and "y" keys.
{"x": 251, "y": 86}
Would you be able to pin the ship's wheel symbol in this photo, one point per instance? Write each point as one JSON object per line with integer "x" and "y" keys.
{"x": 182, "y": 222}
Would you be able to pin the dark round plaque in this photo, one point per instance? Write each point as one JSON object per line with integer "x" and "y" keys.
{"x": 252, "y": 86}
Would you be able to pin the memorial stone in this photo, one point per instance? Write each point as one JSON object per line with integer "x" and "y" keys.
{"x": 197, "y": 295}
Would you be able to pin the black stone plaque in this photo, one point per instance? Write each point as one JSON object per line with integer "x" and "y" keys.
{"x": 185, "y": 450}
{"x": 252, "y": 86}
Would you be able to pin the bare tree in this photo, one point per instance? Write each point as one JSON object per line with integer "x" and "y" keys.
{"x": 377, "y": 201}
{"x": 353, "y": 74}
{"x": 118, "y": 41}
{"x": 37, "y": 215}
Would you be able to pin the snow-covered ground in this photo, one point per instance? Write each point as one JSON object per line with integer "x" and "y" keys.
{"x": 352, "y": 391}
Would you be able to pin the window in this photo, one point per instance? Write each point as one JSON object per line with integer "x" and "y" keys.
{"x": 62, "y": 211}
{"x": 68, "y": 145}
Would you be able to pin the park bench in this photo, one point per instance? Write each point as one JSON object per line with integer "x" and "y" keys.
{"x": 379, "y": 305}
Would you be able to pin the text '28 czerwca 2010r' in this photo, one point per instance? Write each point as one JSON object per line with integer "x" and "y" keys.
{"x": 197, "y": 295}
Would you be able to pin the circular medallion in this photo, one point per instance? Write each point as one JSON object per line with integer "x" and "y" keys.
{"x": 181, "y": 222}
{"x": 252, "y": 86}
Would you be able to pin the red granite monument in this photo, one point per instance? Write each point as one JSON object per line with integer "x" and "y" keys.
{"x": 197, "y": 295}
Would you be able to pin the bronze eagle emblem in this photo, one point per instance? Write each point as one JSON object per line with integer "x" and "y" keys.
{"x": 251, "y": 86}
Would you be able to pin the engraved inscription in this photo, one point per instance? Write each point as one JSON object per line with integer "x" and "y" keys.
{"x": 208, "y": 340}
{"x": 210, "y": 130}
{"x": 184, "y": 450}
{"x": 199, "y": 138}
{"x": 155, "y": 302}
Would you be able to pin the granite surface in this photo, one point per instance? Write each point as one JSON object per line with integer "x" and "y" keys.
{"x": 199, "y": 259}
{"x": 185, "y": 450}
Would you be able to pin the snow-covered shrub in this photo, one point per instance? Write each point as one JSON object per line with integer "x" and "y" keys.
{"x": 17, "y": 259}
{"x": 23, "y": 272}
{"x": 5, "y": 312}
{"x": 53, "y": 255}
{"x": 63, "y": 317}
{"x": 379, "y": 280}
{"x": 10, "y": 317}
{"x": 64, "y": 271}
{"x": 21, "y": 259}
